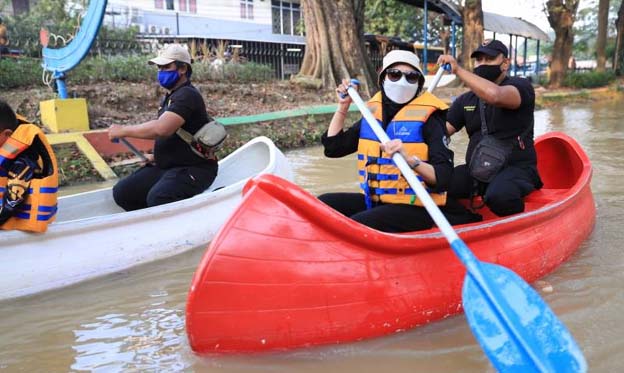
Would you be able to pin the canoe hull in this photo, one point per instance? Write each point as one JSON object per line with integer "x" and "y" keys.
{"x": 286, "y": 271}
{"x": 79, "y": 248}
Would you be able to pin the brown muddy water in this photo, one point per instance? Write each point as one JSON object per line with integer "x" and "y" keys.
{"x": 134, "y": 321}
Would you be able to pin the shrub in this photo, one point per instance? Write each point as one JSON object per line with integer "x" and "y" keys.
{"x": 18, "y": 72}
{"x": 235, "y": 72}
{"x": 25, "y": 71}
{"x": 590, "y": 79}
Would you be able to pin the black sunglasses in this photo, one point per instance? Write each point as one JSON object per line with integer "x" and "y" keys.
{"x": 395, "y": 75}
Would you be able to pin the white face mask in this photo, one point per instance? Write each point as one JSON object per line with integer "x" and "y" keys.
{"x": 400, "y": 91}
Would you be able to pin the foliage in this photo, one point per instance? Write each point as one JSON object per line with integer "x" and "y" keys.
{"x": 18, "y": 72}
{"x": 62, "y": 19}
{"x": 238, "y": 72}
{"x": 394, "y": 18}
{"x": 586, "y": 30}
{"x": 591, "y": 79}
{"x": 114, "y": 68}
{"x": 25, "y": 71}
{"x": 391, "y": 18}
{"x": 55, "y": 15}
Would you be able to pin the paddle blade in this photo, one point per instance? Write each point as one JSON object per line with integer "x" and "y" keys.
{"x": 525, "y": 338}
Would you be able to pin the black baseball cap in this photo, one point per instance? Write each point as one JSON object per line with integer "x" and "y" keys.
{"x": 491, "y": 48}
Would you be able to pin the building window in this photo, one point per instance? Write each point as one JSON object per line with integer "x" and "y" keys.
{"x": 169, "y": 4}
{"x": 189, "y": 6}
{"x": 285, "y": 17}
{"x": 246, "y": 9}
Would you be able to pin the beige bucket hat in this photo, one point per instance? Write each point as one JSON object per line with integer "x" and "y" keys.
{"x": 400, "y": 56}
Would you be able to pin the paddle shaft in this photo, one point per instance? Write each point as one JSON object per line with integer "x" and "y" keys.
{"x": 132, "y": 148}
{"x": 457, "y": 244}
{"x": 437, "y": 77}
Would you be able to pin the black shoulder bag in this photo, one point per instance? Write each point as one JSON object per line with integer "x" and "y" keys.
{"x": 490, "y": 154}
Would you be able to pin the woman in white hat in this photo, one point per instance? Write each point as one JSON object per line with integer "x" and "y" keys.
{"x": 415, "y": 123}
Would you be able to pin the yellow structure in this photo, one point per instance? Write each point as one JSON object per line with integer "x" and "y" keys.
{"x": 61, "y": 115}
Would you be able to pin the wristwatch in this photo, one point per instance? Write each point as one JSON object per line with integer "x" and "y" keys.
{"x": 417, "y": 160}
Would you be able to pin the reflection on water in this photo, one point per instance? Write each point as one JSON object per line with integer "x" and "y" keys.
{"x": 134, "y": 320}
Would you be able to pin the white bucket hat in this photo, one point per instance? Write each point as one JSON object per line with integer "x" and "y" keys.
{"x": 400, "y": 56}
{"x": 173, "y": 52}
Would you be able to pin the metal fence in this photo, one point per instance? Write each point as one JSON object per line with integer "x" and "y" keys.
{"x": 284, "y": 59}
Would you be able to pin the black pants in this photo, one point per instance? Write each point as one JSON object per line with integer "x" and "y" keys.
{"x": 152, "y": 186}
{"x": 394, "y": 217}
{"x": 504, "y": 195}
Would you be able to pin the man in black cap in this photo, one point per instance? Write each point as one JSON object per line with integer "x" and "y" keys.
{"x": 507, "y": 105}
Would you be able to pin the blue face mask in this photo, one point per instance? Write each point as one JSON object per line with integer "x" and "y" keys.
{"x": 168, "y": 79}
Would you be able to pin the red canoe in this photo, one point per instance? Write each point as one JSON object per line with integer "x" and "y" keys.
{"x": 286, "y": 271}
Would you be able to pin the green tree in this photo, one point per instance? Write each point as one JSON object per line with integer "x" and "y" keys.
{"x": 392, "y": 18}
{"x": 55, "y": 15}
{"x": 395, "y": 18}
{"x": 561, "y": 16}
{"x": 586, "y": 30}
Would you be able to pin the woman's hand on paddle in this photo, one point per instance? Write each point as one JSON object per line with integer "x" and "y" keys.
{"x": 341, "y": 91}
{"x": 394, "y": 146}
{"x": 445, "y": 58}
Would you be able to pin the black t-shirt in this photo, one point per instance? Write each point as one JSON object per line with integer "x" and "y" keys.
{"x": 440, "y": 157}
{"x": 172, "y": 151}
{"x": 504, "y": 124}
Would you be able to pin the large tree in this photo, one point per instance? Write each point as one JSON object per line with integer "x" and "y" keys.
{"x": 472, "y": 35}
{"x": 335, "y": 44}
{"x": 601, "y": 40}
{"x": 561, "y": 16}
{"x": 618, "y": 58}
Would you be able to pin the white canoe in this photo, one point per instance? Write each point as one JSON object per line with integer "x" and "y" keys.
{"x": 93, "y": 237}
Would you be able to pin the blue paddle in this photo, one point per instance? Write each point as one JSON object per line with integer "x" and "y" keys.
{"x": 512, "y": 323}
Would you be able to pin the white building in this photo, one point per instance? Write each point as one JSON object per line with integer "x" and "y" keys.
{"x": 251, "y": 20}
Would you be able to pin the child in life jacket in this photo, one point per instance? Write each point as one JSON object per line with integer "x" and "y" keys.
{"x": 28, "y": 175}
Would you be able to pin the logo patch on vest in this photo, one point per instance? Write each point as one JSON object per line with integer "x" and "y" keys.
{"x": 403, "y": 131}
{"x": 470, "y": 108}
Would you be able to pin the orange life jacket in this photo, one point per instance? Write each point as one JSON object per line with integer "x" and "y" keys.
{"x": 380, "y": 179}
{"x": 39, "y": 207}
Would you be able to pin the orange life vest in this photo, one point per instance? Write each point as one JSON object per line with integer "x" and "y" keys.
{"x": 380, "y": 179}
{"x": 39, "y": 207}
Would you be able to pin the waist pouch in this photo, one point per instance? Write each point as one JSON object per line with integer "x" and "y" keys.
{"x": 206, "y": 140}
{"x": 489, "y": 157}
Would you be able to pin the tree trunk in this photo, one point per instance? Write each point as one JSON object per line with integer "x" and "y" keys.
{"x": 472, "y": 14}
{"x": 619, "y": 42}
{"x": 601, "y": 40}
{"x": 561, "y": 16}
{"x": 335, "y": 44}
{"x": 20, "y": 7}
